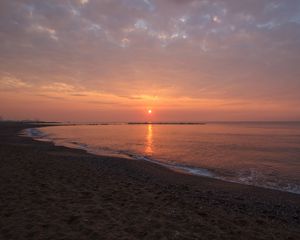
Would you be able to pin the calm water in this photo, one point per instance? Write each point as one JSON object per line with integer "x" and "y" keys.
{"x": 261, "y": 154}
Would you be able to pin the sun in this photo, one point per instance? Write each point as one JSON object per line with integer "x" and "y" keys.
{"x": 149, "y": 111}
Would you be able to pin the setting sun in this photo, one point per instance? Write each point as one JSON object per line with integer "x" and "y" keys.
{"x": 149, "y": 111}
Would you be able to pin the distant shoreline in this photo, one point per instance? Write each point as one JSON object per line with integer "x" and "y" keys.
{"x": 145, "y": 122}
{"x": 165, "y": 123}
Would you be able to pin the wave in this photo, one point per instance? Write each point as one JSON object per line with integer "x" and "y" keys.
{"x": 34, "y": 133}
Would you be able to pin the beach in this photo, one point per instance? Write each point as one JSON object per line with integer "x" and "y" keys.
{"x": 51, "y": 192}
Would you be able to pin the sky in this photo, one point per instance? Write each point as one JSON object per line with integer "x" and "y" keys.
{"x": 113, "y": 60}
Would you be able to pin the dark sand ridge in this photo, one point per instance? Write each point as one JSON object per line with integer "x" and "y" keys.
{"x": 49, "y": 192}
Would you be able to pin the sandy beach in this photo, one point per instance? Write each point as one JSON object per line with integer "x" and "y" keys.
{"x": 50, "y": 192}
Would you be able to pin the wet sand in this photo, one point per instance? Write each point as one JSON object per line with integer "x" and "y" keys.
{"x": 49, "y": 192}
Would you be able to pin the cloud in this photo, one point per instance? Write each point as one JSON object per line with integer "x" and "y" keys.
{"x": 84, "y": 1}
{"x": 232, "y": 49}
{"x": 58, "y": 87}
{"x": 12, "y": 83}
{"x": 50, "y": 97}
{"x": 49, "y": 31}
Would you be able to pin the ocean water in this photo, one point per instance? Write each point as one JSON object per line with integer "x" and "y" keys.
{"x": 260, "y": 154}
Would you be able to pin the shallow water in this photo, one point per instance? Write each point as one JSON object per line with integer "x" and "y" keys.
{"x": 261, "y": 154}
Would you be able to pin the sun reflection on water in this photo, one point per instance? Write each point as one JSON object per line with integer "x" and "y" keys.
{"x": 149, "y": 140}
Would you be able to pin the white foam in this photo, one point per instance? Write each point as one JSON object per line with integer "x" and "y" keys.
{"x": 35, "y": 134}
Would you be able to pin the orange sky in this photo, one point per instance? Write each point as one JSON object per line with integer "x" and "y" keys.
{"x": 114, "y": 60}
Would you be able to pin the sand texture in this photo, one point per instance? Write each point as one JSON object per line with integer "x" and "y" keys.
{"x": 49, "y": 192}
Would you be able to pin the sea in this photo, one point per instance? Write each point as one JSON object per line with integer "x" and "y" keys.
{"x": 263, "y": 154}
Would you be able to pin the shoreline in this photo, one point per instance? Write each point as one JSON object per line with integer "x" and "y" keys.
{"x": 38, "y": 135}
{"x": 59, "y": 192}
